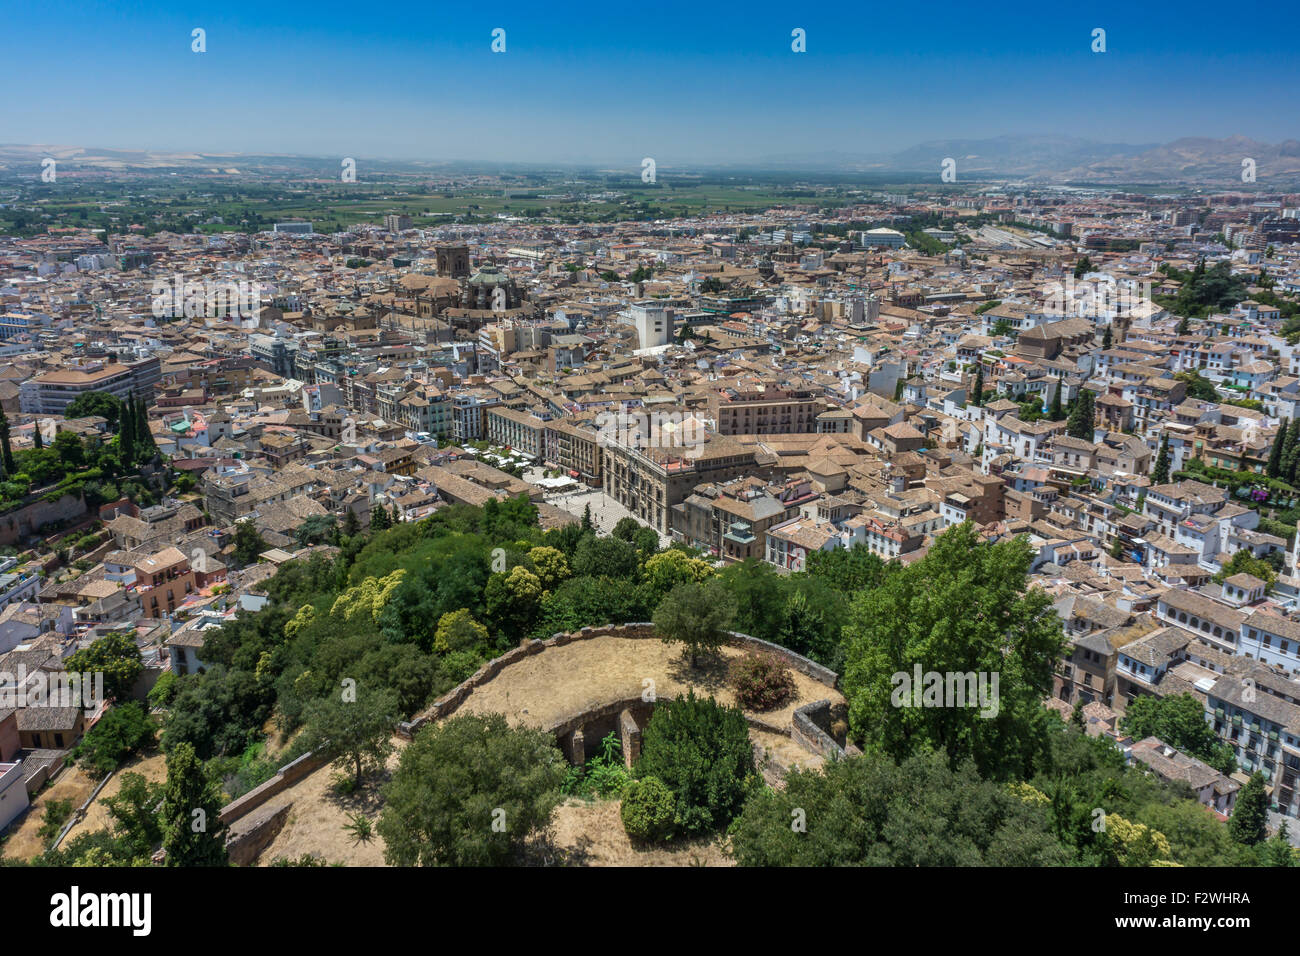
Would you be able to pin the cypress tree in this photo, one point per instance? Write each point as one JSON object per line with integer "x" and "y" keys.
{"x": 1080, "y": 422}
{"x": 1275, "y": 454}
{"x": 38, "y": 440}
{"x": 979, "y": 385}
{"x": 1250, "y": 817}
{"x": 1160, "y": 474}
{"x": 1056, "y": 413}
{"x": 6, "y": 452}
{"x": 1106, "y": 339}
{"x": 143, "y": 436}
{"x": 126, "y": 436}
{"x": 190, "y": 816}
{"x": 1289, "y": 452}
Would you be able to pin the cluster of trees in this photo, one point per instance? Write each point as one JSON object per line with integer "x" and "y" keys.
{"x": 1198, "y": 386}
{"x": 101, "y": 470}
{"x": 1083, "y": 413}
{"x": 347, "y": 646}
{"x": 1244, "y": 561}
{"x": 473, "y": 791}
{"x": 1204, "y": 290}
{"x": 1284, "y": 457}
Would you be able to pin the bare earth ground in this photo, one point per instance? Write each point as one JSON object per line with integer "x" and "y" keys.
{"x": 73, "y": 785}
{"x": 783, "y": 751}
{"x": 592, "y": 834}
{"x": 319, "y": 814}
{"x": 152, "y": 768}
{"x": 538, "y": 691}
{"x": 546, "y": 687}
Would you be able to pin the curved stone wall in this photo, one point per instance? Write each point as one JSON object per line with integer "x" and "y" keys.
{"x": 448, "y": 703}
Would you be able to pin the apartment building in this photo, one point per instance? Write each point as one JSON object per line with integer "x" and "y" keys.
{"x": 649, "y": 482}
{"x": 769, "y": 410}
{"x": 52, "y": 392}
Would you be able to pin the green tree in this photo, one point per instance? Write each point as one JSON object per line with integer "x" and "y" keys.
{"x": 1179, "y": 721}
{"x": 1080, "y": 423}
{"x": 126, "y": 438}
{"x": 1290, "y": 451}
{"x": 458, "y": 631}
{"x": 963, "y": 609}
{"x": 192, "y": 832}
{"x": 470, "y": 792}
{"x": 1245, "y": 562}
{"x": 1274, "y": 468}
{"x": 146, "y": 447}
{"x": 701, "y": 751}
{"x": 1106, "y": 338}
{"x": 697, "y": 616}
{"x": 1248, "y": 824}
{"x": 249, "y": 543}
{"x": 626, "y": 529}
{"x": 550, "y": 565}
{"x": 117, "y": 657}
{"x": 6, "y": 451}
{"x": 1160, "y": 473}
{"x": 605, "y": 557}
{"x": 109, "y": 407}
{"x": 380, "y": 520}
{"x": 1055, "y": 412}
{"x": 355, "y": 729}
{"x": 134, "y": 812}
{"x": 124, "y": 730}
{"x": 56, "y": 814}
{"x": 513, "y": 600}
{"x": 1277, "y": 849}
{"x": 869, "y": 811}
{"x": 978, "y": 389}
{"x": 648, "y": 810}
{"x": 1198, "y": 386}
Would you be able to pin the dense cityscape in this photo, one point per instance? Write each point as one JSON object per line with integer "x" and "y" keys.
{"x": 793, "y": 485}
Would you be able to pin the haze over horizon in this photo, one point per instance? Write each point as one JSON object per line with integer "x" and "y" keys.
{"x": 685, "y": 84}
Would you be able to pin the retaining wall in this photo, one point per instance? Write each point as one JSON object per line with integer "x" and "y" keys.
{"x": 255, "y": 834}
{"x": 447, "y": 704}
{"x": 287, "y": 776}
{"x": 806, "y": 730}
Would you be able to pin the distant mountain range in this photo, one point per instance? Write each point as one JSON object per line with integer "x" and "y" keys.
{"x": 1043, "y": 159}
{"x": 1066, "y": 159}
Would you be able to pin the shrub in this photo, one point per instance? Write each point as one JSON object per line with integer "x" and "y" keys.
{"x": 647, "y": 810}
{"x": 162, "y": 692}
{"x": 56, "y": 814}
{"x": 701, "y": 750}
{"x": 459, "y": 666}
{"x": 124, "y": 730}
{"x": 762, "y": 681}
{"x": 470, "y": 792}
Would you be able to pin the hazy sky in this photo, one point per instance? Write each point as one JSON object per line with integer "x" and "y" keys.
{"x": 683, "y": 82}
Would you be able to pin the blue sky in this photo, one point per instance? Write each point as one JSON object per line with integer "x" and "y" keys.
{"x": 683, "y": 82}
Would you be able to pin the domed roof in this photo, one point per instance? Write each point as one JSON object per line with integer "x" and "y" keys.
{"x": 489, "y": 276}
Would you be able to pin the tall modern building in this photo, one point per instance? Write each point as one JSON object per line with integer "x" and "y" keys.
{"x": 654, "y": 324}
